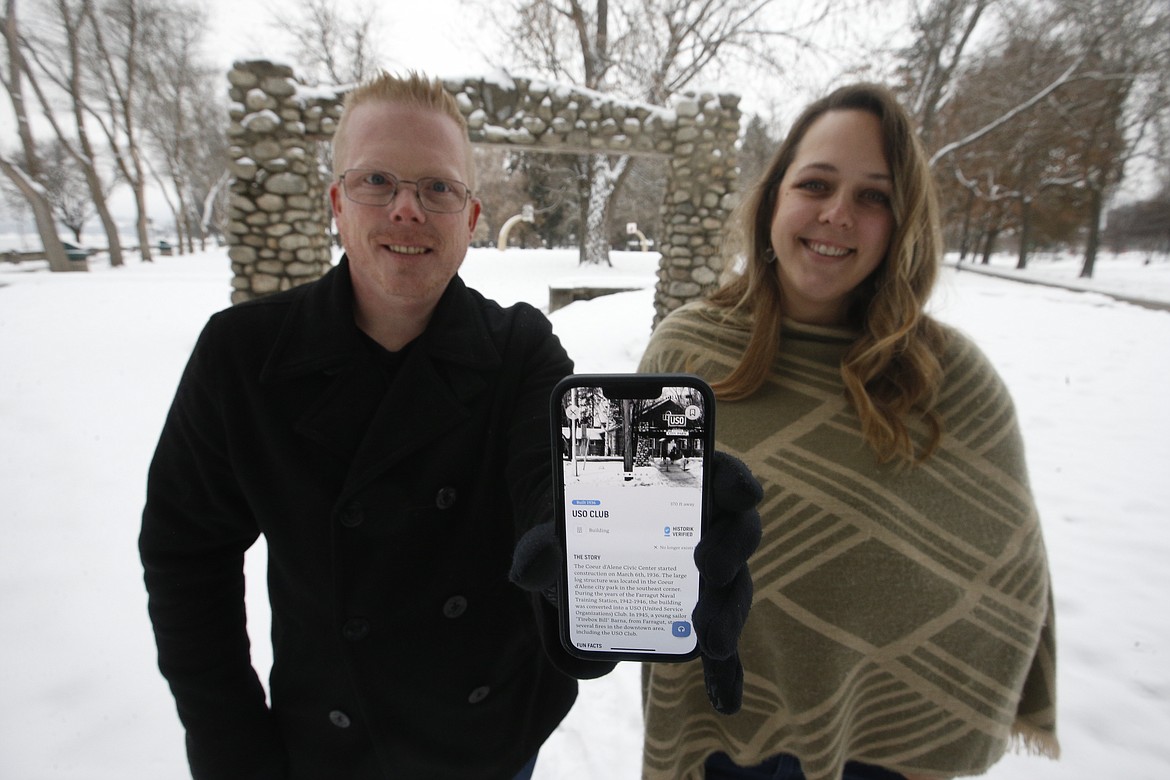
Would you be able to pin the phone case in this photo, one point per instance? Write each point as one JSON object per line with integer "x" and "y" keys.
{"x": 630, "y": 469}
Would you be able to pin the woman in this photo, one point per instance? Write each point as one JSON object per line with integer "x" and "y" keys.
{"x": 902, "y": 620}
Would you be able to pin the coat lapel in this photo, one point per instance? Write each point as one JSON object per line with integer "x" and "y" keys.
{"x": 349, "y": 412}
{"x": 447, "y": 369}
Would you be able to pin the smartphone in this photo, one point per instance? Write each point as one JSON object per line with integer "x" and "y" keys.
{"x": 630, "y": 466}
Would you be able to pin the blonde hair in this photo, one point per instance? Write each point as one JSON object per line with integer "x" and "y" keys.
{"x": 413, "y": 89}
{"x": 892, "y": 370}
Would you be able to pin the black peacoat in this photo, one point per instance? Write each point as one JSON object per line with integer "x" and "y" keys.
{"x": 390, "y": 511}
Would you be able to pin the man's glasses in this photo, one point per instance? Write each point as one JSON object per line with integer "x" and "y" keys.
{"x": 378, "y": 188}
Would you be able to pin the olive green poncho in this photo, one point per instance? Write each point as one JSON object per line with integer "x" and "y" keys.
{"x": 902, "y": 616}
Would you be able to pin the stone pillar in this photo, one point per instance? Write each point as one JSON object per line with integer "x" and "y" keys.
{"x": 278, "y": 229}
{"x": 698, "y": 200}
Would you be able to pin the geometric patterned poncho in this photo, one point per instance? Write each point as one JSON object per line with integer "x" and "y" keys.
{"x": 902, "y": 615}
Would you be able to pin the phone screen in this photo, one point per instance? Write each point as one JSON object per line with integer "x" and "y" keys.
{"x": 631, "y": 466}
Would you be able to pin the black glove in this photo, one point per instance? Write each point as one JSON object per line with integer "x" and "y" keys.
{"x": 731, "y": 536}
{"x": 536, "y": 562}
{"x": 536, "y": 567}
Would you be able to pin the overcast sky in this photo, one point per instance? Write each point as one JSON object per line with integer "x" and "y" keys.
{"x": 451, "y": 38}
{"x": 442, "y": 37}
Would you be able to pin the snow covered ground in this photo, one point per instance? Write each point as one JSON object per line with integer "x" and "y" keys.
{"x": 89, "y": 362}
{"x": 597, "y": 471}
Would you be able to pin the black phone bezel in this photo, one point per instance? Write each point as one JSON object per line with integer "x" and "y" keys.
{"x": 624, "y": 385}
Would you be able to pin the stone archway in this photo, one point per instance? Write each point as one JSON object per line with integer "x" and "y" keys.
{"x": 278, "y": 230}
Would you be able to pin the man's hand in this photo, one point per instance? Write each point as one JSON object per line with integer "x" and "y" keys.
{"x": 536, "y": 562}
{"x": 536, "y": 567}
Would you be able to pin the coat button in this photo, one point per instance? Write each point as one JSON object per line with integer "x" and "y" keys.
{"x": 339, "y": 719}
{"x": 454, "y": 606}
{"x": 355, "y": 629}
{"x": 446, "y": 497}
{"x": 479, "y": 694}
{"x": 352, "y": 516}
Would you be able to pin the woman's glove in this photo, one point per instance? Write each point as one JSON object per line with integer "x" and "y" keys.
{"x": 731, "y": 536}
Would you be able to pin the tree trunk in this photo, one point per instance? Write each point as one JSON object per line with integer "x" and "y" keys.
{"x": 582, "y": 208}
{"x": 43, "y": 216}
{"x": 989, "y": 245}
{"x": 97, "y": 191}
{"x": 26, "y": 179}
{"x": 187, "y": 246}
{"x": 627, "y": 436}
{"x": 205, "y": 224}
{"x": 1025, "y": 232}
{"x": 965, "y": 236}
{"x": 114, "y": 243}
{"x": 180, "y": 233}
{"x": 100, "y": 203}
{"x": 602, "y": 179}
{"x": 1096, "y": 203}
{"x": 595, "y": 242}
{"x": 142, "y": 223}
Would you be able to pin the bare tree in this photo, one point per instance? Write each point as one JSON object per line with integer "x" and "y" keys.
{"x": 128, "y": 38}
{"x": 206, "y": 158}
{"x": 183, "y": 115}
{"x": 940, "y": 56}
{"x": 645, "y": 50}
{"x": 942, "y": 31}
{"x": 335, "y": 42}
{"x": 128, "y": 66}
{"x": 66, "y": 189}
{"x": 571, "y": 43}
{"x": 1127, "y": 49}
{"x": 1095, "y": 88}
{"x": 26, "y": 176}
{"x": 125, "y": 33}
{"x": 68, "y": 28}
{"x": 1020, "y": 167}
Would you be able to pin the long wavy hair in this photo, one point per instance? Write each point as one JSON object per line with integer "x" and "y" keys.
{"x": 892, "y": 370}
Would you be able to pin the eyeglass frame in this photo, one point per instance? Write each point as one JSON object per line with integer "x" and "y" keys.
{"x": 467, "y": 195}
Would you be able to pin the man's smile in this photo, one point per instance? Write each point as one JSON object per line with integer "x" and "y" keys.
{"x": 406, "y": 250}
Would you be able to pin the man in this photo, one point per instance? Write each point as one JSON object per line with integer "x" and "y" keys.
{"x": 386, "y": 429}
